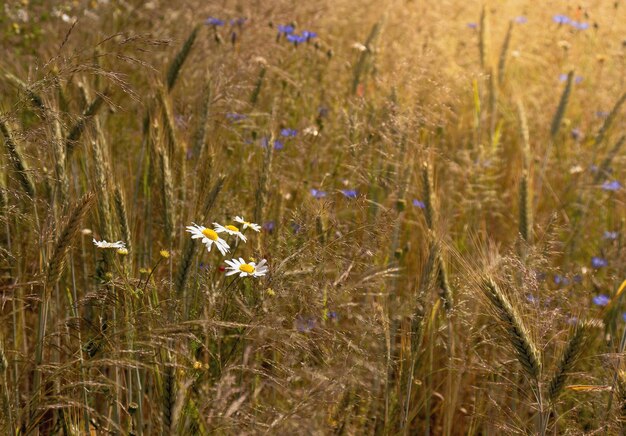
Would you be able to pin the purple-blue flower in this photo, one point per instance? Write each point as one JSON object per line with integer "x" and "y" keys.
{"x": 233, "y": 116}
{"x": 532, "y": 299}
{"x": 472, "y": 25}
{"x": 308, "y": 35}
{"x": 349, "y": 193}
{"x": 318, "y": 194}
{"x": 333, "y": 315}
{"x": 611, "y": 236}
{"x": 579, "y": 25}
{"x": 418, "y": 204}
{"x": 613, "y": 185}
{"x": 576, "y": 134}
{"x": 212, "y": 21}
{"x": 278, "y": 145}
{"x": 577, "y": 79}
{"x": 238, "y": 21}
{"x": 624, "y": 316}
{"x": 599, "y": 262}
{"x": 561, "y": 280}
{"x": 286, "y": 29}
{"x": 305, "y": 325}
{"x": 269, "y": 226}
{"x": 295, "y": 38}
{"x": 561, "y": 19}
{"x": 521, "y": 19}
{"x": 601, "y": 300}
{"x": 288, "y": 132}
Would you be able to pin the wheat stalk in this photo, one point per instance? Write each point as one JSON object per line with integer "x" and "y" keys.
{"x": 17, "y": 160}
{"x": 178, "y": 61}
{"x": 79, "y": 127}
{"x": 525, "y": 349}
{"x": 122, "y": 216}
{"x": 504, "y": 53}
{"x": 560, "y": 110}
{"x": 570, "y": 356}
{"x": 609, "y": 120}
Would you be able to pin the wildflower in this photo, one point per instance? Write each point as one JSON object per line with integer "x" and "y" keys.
{"x": 624, "y": 316}
{"x": 578, "y": 278}
{"x": 308, "y": 35}
{"x": 521, "y": 19}
{"x": 611, "y": 186}
{"x": 602, "y": 114}
{"x": 333, "y": 315}
{"x": 86, "y": 232}
{"x": 576, "y": 134}
{"x": 305, "y": 325}
{"x": 296, "y": 39}
{"x": 532, "y": 299}
{"x": 561, "y": 19}
{"x": 238, "y": 21}
{"x": 209, "y": 238}
{"x": 246, "y": 224}
{"x": 349, "y": 193}
{"x": 122, "y": 251}
{"x": 472, "y": 25}
{"x": 579, "y": 25}
{"x": 288, "y": 132}
{"x": 230, "y": 229}
{"x": 601, "y": 300}
{"x": 577, "y": 79}
{"x": 598, "y": 262}
{"x": 164, "y": 254}
{"x": 561, "y": 280}
{"x": 611, "y": 236}
{"x": 278, "y": 145}
{"x": 318, "y": 194}
{"x": 286, "y": 29}
{"x": 105, "y": 244}
{"x": 269, "y": 226}
{"x": 311, "y": 130}
{"x": 215, "y": 22}
{"x": 234, "y": 116}
{"x": 270, "y": 292}
{"x": 197, "y": 365}
{"x": 239, "y": 266}
{"x": 419, "y": 204}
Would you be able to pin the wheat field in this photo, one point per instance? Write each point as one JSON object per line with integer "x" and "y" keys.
{"x": 344, "y": 217}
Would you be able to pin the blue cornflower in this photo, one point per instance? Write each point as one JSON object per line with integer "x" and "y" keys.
{"x": 286, "y": 29}
{"x": 577, "y": 79}
{"x": 308, "y": 35}
{"x": 212, "y": 21}
{"x": 576, "y": 134}
{"x": 305, "y": 325}
{"x": 579, "y": 25}
{"x": 333, "y": 315}
{"x": 288, "y": 132}
{"x": 521, "y": 19}
{"x": 602, "y": 114}
{"x": 349, "y": 193}
{"x": 277, "y": 144}
{"x": 624, "y": 316}
{"x": 418, "y": 204}
{"x": 601, "y": 300}
{"x": 318, "y": 194}
{"x": 611, "y": 186}
{"x": 269, "y": 226}
{"x": 238, "y": 21}
{"x": 295, "y": 38}
{"x": 561, "y": 280}
{"x": 611, "y": 236}
{"x": 532, "y": 299}
{"x": 472, "y": 25}
{"x": 598, "y": 262}
{"x": 233, "y": 116}
{"x": 561, "y": 19}
{"x": 578, "y": 278}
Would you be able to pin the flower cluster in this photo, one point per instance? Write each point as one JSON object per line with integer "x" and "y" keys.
{"x": 210, "y": 237}
{"x": 564, "y": 19}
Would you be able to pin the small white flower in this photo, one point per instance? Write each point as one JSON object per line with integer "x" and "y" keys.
{"x": 239, "y": 266}
{"x": 105, "y": 244}
{"x": 209, "y": 237}
{"x": 246, "y": 224}
{"x": 231, "y": 230}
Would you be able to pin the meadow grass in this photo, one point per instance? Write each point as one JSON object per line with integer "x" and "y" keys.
{"x": 435, "y": 188}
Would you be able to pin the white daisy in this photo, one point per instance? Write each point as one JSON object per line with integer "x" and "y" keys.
{"x": 239, "y": 266}
{"x": 105, "y": 244}
{"x": 231, "y": 230}
{"x": 246, "y": 224}
{"x": 209, "y": 237}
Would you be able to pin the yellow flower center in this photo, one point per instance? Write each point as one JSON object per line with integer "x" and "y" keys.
{"x": 210, "y": 234}
{"x": 232, "y": 228}
{"x": 247, "y": 268}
